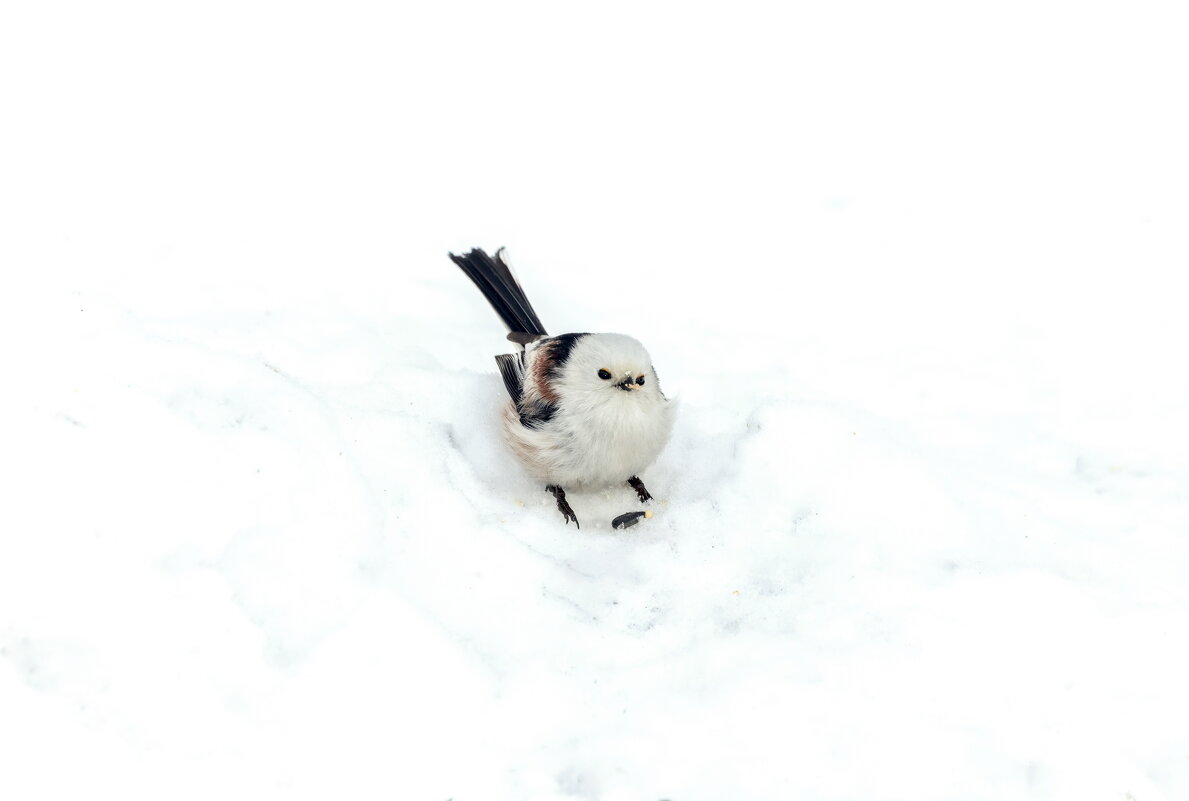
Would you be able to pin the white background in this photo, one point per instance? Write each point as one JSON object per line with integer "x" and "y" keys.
{"x": 913, "y": 272}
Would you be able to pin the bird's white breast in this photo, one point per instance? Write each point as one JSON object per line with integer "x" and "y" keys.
{"x": 615, "y": 441}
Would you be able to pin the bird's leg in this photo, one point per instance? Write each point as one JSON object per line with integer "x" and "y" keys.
{"x": 562, "y": 505}
{"x": 640, "y": 489}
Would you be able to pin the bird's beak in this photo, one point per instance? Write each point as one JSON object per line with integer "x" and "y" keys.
{"x": 628, "y": 384}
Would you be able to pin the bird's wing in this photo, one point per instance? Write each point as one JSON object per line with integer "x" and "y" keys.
{"x": 534, "y": 411}
{"x": 512, "y": 369}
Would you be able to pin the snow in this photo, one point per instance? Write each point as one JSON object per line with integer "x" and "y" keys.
{"x": 911, "y": 272}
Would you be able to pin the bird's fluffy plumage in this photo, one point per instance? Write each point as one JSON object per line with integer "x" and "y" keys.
{"x": 593, "y": 433}
{"x": 586, "y": 410}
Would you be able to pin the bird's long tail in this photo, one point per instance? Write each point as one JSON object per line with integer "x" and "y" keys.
{"x": 497, "y": 283}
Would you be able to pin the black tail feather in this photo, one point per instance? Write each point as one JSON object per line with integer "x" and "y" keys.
{"x": 495, "y": 280}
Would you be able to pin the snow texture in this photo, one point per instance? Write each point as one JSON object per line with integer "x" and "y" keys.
{"x": 913, "y": 272}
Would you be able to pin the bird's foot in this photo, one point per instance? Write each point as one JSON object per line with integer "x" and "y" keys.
{"x": 641, "y": 490}
{"x": 562, "y": 505}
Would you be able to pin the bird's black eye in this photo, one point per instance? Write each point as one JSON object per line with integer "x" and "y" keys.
{"x": 603, "y": 374}
{"x": 640, "y": 380}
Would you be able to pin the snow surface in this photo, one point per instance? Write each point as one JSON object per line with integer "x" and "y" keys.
{"x": 913, "y": 272}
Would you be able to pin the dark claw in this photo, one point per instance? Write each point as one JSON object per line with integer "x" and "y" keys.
{"x": 641, "y": 490}
{"x": 562, "y": 505}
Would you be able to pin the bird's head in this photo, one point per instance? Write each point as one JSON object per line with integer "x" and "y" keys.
{"x": 610, "y": 363}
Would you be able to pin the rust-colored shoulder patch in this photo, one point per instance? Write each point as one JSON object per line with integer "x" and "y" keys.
{"x": 551, "y": 356}
{"x": 544, "y": 367}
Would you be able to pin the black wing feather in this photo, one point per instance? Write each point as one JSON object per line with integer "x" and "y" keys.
{"x": 512, "y": 369}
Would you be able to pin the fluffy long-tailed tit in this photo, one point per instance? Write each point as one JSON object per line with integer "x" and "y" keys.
{"x": 586, "y": 410}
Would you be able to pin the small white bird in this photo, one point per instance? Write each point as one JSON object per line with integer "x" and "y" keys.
{"x": 586, "y": 409}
